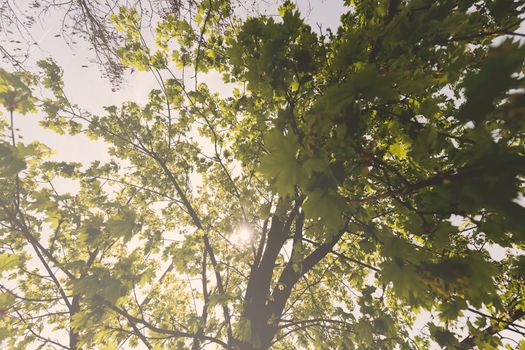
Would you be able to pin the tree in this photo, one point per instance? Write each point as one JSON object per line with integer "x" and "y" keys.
{"x": 344, "y": 154}
{"x": 84, "y": 22}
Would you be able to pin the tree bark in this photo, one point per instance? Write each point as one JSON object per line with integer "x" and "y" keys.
{"x": 263, "y": 310}
{"x": 258, "y": 288}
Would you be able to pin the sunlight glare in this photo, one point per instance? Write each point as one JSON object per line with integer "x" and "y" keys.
{"x": 242, "y": 234}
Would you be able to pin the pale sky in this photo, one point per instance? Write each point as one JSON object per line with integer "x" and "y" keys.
{"x": 88, "y": 89}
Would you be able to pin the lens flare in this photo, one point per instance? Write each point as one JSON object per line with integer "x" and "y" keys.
{"x": 242, "y": 234}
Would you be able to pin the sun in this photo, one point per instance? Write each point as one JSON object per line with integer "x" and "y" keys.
{"x": 242, "y": 234}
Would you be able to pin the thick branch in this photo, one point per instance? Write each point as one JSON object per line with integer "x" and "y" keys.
{"x": 174, "y": 333}
{"x": 470, "y": 341}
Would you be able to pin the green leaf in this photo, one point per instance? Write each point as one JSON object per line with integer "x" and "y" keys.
{"x": 407, "y": 283}
{"x": 8, "y": 261}
{"x": 217, "y": 299}
{"x": 325, "y": 205}
{"x": 443, "y": 337}
{"x": 281, "y": 164}
{"x": 400, "y": 149}
{"x": 11, "y": 163}
{"x": 102, "y": 285}
{"x": 424, "y": 145}
{"x": 6, "y": 301}
{"x": 493, "y": 80}
{"x": 122, "y": 224}
{"x": 451, "y": 309}
{"x": 370, "y": 83}
{"x": 15, "y": 92}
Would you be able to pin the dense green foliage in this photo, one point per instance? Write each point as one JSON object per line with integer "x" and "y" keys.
{"x": 344, "y": 153}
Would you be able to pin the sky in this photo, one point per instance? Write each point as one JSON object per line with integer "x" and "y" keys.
{"x": 85, "y": 86}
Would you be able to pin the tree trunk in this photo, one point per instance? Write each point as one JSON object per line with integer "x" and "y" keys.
{"x": 258, "y": 290}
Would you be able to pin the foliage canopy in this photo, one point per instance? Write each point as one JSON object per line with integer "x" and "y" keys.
{"x": 343, "y": 153}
